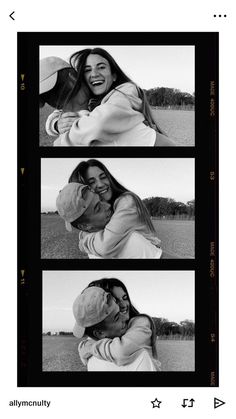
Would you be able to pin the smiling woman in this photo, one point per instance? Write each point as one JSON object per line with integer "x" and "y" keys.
{"x": 99, "y": 182}
{"x": 117, "y": 332}
{"x": 98, "y": 75}
{"x": 129, "y": 232}
{"x": 117, "y": 113}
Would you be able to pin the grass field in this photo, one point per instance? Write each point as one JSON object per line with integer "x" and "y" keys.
{"x": 177, "y": 238}
{"x": 179, "y": 125}
{"x": 60, "y": 354}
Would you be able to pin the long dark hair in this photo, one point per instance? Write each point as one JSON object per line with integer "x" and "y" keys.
{"x": 78, "y": 61}
{"x": 108, "y": 284}
{"x": 79, "y": 175}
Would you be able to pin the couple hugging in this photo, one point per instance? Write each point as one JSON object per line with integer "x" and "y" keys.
{"x": 113, "y": 221}
{"x": 116, "y": 336}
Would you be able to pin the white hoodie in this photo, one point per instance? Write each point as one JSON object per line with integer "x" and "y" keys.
{"x": 117, "y": 121}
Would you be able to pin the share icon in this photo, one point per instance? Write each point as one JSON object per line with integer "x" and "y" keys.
{"x": 218, "y": 403}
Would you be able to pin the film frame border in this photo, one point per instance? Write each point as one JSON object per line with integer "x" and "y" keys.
{"x": 205, "y": 265}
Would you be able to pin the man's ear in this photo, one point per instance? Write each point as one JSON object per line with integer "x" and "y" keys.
{"x": 99, "y": 334}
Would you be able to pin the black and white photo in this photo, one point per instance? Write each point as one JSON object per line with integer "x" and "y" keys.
{"x": 118, "y": 321}
{"x": 117, "y": 208}
{"x": 117, "y": 95}
{"x": 115, "y": 237}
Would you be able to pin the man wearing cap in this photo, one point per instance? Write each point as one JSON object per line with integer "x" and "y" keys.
{"x": 57, "y": 80}
{"x": 97, "y": 316}
{"x": 83, "y": 209}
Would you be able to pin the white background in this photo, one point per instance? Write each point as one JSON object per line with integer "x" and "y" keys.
{"x": 105, "y": 15}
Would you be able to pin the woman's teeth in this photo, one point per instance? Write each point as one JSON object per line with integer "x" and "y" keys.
{"x": 97, "y": 83}
{"x": 124, "y": 311}
{"x": 104, "y": 191}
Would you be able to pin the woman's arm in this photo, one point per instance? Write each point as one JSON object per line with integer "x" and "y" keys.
{"x": 107, "y": 242}
{"x": 59, "y": 123}
{"x": 122, "y": 350}
{"x": 114, "y": 116}
{"x": 85, "y": 349}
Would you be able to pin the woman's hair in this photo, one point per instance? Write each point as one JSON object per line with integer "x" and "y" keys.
{"x": 108, "y": 284}
{"x": 78, "y": 61}
{"x": 79, "y": 175}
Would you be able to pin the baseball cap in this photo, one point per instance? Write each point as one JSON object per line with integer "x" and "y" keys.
{"x": 72, "y": 202}
{"x": 91, "y": 307}
{"x": 48, "y": 69}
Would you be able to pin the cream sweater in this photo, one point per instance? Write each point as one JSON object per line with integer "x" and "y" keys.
{"x": 117, "y": 121}
{"x": 108, "y": 243}
{"x": 121, "y": 350}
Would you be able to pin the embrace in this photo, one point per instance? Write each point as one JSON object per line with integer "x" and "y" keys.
{"x": 96, "y": 103}
{"x": 116, "y": 336}
{"x": 113, "y": 222}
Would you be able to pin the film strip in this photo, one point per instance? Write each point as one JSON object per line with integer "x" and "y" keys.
{"x": 49, "y": 259}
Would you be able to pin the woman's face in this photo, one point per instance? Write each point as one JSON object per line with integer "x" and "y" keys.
{"x": 99, "y": 182}
{"x": 98, "y": 75}
{"x": 122, "y": 300}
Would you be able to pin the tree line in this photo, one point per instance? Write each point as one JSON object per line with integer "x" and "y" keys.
{"x": 165, "y": 328}
{"x": 169, "y": 97}
{"x": 159, "y": 207}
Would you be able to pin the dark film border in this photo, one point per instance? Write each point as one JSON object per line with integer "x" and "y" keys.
{"x": 30, "y": 265}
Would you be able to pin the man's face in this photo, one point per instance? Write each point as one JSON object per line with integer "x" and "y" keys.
{"x": 98, "y": 213}
{"x": 114, "y": 324}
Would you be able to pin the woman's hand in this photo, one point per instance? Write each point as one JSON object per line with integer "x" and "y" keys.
{"x": 82, "y": 235}
{"x": 66, "y": 121}
{"x": 85, "y": 350}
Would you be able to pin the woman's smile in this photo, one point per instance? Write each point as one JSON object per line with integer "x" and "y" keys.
{"x": 98, "y": 75}
{"x": 97, "y": 82}
{"x": 99, "y": 182}
{"x": 124, "y": 310}
{"x": 122, "y": 300}
{"x": 105, "y": 194}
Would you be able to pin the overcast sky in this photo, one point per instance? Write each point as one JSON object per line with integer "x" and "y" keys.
{"x": 147, "y": 177}
{"x": 168, "y": 294}
{"x": 148, "y": 66}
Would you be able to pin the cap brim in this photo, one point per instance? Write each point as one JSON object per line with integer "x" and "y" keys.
{"x": 78, "y": 331}
{"x": 47, "y": 84}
